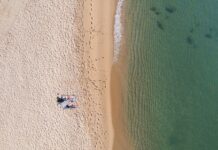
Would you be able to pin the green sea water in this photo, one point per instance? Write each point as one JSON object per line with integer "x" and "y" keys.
{"x": 172, "y": 101}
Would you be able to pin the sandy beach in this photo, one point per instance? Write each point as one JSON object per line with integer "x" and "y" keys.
{"x": 50, "y": 47}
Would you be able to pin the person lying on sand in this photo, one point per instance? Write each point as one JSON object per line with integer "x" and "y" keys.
{"x": 67, "y": 101}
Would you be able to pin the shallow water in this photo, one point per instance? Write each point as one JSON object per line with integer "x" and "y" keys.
{"x": 172, "y": 100}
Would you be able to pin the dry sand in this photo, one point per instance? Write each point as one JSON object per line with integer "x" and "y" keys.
{"x": 49, "y": 47}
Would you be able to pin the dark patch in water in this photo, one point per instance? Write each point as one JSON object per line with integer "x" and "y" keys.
{"x": 208, "y": 35}
{"x": 190, "y": 40}
{"x": 157, "y": 13}
{"x": 170, "y": 9}
{"x": 191, "y": 30}
{"x": 154, "y": 9}
{"x": 160, "y": 25}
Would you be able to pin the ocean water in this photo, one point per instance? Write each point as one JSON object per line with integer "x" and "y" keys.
{"x": 172, "y": 98}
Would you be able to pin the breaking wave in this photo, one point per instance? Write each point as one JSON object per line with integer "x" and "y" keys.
{"x": 117, "y": 31}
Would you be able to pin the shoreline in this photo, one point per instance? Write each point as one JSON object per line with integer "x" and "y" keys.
{"x": 102, "y": 27}
{"x": 119, "y": 76}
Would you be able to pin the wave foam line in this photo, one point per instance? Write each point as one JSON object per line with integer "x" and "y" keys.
{"x": 117, "y": 31}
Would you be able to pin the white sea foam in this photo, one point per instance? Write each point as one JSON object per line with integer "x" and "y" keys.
{"x": 117, "y": 31}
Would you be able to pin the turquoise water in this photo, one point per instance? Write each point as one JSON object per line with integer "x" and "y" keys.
{"x": 172, "y": 101}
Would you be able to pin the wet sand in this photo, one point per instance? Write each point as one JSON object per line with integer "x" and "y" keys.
{"x": 122, "y": 139}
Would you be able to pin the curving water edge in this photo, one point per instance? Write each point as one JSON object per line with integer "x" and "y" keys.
{"x": 117, "y": 31}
